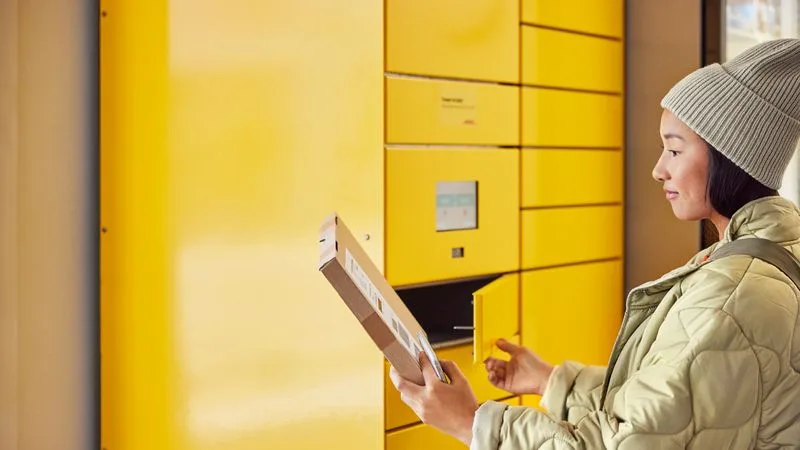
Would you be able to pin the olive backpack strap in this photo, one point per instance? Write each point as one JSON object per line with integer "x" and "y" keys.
{"x": 764, "y": 250}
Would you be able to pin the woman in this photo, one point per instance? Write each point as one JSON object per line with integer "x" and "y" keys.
{"x": 708, "y": 355}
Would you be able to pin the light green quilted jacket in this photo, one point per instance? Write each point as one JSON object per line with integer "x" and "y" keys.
{"x": 707, "y": 358}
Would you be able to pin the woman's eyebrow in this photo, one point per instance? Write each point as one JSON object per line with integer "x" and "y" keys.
{"x": 673, "y": 136}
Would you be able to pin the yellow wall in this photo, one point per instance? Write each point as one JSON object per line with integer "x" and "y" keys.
{"x": 229, "y": 131}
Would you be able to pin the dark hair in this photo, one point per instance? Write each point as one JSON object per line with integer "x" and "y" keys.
{"x": 730, "y": 187}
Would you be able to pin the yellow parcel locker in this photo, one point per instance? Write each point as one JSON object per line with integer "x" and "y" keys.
{"x": 573, "y": 312}
{"x": 474, "y": 39}
{"x": 531, "y": 401}
{"x": 603, "y": 17}
{"x": 398, "y": 414}
{"x": 495, "y": 315}
{"x": 556, "y": 118}
{"x": 426, "y": 437}
{"x": 423, "y": 111}
{"x": 421, "y": 437}
{"x": 571, "y": 177}
{"x": 451, "y": 213}
{"x": 557, "y": 236}
{"x": 560, "y": 59}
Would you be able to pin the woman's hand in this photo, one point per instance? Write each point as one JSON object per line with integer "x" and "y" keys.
{"x": 447, "y": 407}
{"x": 524, "y": 373}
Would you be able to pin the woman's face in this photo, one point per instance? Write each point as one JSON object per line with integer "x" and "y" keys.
{"x": 683, "y": 169}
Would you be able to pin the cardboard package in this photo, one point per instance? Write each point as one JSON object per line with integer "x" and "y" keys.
{"x": 370, "y": 297}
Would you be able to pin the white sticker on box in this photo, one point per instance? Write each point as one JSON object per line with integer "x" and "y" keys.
{"x": 385, "y": 311}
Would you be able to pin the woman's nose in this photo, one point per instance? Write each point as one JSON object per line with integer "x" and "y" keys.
{"x": 659, "y": 174}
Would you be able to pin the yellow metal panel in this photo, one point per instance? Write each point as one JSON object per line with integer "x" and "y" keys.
{"x": 398, "y": 414}
{"x": 572, "y": 313}
{"x": 603, "y": 17}
{"x": 224, "y": 148}
{"x": 555, "y": 118}
{"x": 568, "y": 235}
{"x": 571, "y": 177}
{"x": 421, "y": 437}
{"x": 475, "y": 39}
{"x": 415, "y": 251}
{"x": 513, "y": 401}
{"x": 531, "y": 401}
{"x": 496, "y": 314}
{"x": 567, "y": 60}
{"x": 426, "y": 437}
{"x": 138, "y": 399}
{"x": 109, "y": 418}
{"x": 422, "y": 111}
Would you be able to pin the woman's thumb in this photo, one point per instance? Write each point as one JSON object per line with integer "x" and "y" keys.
{"x": 506, "y": 346}
{"x": 453, "y": 372}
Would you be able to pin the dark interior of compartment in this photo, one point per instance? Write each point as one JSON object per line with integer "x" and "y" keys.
{"x": 439, "y": 308}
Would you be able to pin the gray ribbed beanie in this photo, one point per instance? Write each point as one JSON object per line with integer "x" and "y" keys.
{"x": 747, "y": 108}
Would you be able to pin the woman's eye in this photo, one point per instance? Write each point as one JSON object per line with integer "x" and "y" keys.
{"x": 673, "y": 152}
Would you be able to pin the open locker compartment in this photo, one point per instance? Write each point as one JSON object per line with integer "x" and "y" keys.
{"x": 477, "y": 310}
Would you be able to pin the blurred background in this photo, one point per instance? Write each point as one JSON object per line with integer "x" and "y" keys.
{"x": 750, "y": 22}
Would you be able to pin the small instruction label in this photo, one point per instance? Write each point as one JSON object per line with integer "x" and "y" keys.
{"x": 385, "y": 311}
{"x": 458, "y": 105}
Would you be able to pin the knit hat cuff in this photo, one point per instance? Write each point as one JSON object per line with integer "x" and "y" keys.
{"x": 752, "y": 133}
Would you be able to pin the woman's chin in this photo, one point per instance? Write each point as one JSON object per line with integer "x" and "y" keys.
{"x": 684, "y": 215}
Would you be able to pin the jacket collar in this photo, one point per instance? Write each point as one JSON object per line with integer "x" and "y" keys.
{"x": 773, "y": 218}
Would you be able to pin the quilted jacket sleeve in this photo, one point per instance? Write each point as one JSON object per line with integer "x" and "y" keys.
{"x": 573, "y": 390}
{"x": 697, "y": 387}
